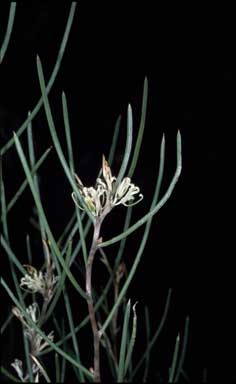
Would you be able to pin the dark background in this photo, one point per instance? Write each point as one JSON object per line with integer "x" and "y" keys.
{"x": 186, "y": 55}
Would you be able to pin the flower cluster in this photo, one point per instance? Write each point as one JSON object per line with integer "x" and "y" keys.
{"x": 37, "y": 281}
{"x": 107, "y": 192}
{"x": 44, "y": 283}
{"x": 18, "y": 366}
{"x": 36, "y": 341}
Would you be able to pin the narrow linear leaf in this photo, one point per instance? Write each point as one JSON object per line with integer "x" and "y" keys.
{"x": 25, "y": 182}
{"x": 64, "y": 361}
{"x": 12, "y": 256}
{"x": 9, "y": 375}
{"x": 27, "y": 356}
{"x": 51, "y": 80}
{"x": 183, "y": 351}
{"x": 7, "y": 242}
{"x": 55, "y": 138}
{"x": 8, "y": 32}
{"x": 68, "y": 229}
{"x": 4, "y": 211}
{"x": 71, "y": 325}
{"x": 57, "y": 368}
{"x": 114, "y": 140}
{"x": 67, "y": 131}
{"x": 132, "y": 341}
{"x": 147, "y": 359}
{"x": 121, "y": 366}
{"x": 128, "y": 145}
{"x": 174, "y": 360}
{"x": 140, "y": 131}
{"x": 35, "y": 178}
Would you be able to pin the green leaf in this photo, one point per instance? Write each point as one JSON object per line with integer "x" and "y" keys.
{"x": 132, "y": 341}
{"x": 4, "y": 210}
{"x": 174, "y": 360}
{"x": 183, "y": 352}
{"x": 71, "y": 325}
{"x": 121, "y": 366}
{"x": 25, "y": 182}
{"x": 147, "y": 359}
{"x": 51, "y": 80}
{"x": 67, "y": 131}
{"x": 141, "y": 130}
{"x": 7, "y": 242}
{"x": 27, "y": 356}
{"x": 8, "y": 32}
{"x": 128, "y": 145}
{"x": 57, "y": 368}
{"x": 9, "y": 375}
{"x": 55, "y": 139}
{"x": 114, "y": 141}
{"x": 12, "y": 256}
{"x": 35, "y": 178}
{"x": 68, "y": 229}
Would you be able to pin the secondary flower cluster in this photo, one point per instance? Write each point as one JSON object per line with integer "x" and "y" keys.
{"x": 37, "y": 281}
{"x": 24, "y": 377}
{"x": 44, "y": 283}
{"x": 36, "y": 342}
{"x": 107, "y": 192}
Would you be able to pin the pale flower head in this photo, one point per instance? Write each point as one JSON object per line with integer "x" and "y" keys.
{"x": 33, "y": 312}
{"x": 107, "y": 193}
{"x": 36, "y": 341}
{"x": 37, "y": 281}
{"x": 18, "y": 366}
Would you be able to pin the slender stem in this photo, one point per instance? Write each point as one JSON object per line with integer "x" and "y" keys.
{"x": 89, "y": 267}
{"x": 43, "y": 312}
{"x": 114, "y": 320}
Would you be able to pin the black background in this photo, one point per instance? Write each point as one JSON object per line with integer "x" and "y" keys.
{"x": 186, "y": 55}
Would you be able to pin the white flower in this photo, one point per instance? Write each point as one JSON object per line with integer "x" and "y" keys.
{"x": 18, "y": 366}
{"x": 36, "y": 341}
{"x": 37, "y": 281}
{"x": 107, "y": 193}
{"x": 33, "y": 312}
{"x": 125, "y": 193}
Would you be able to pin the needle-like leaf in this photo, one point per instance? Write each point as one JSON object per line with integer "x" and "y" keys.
{"x": 51, "y": 80}
{"x": 8, "y": 32}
